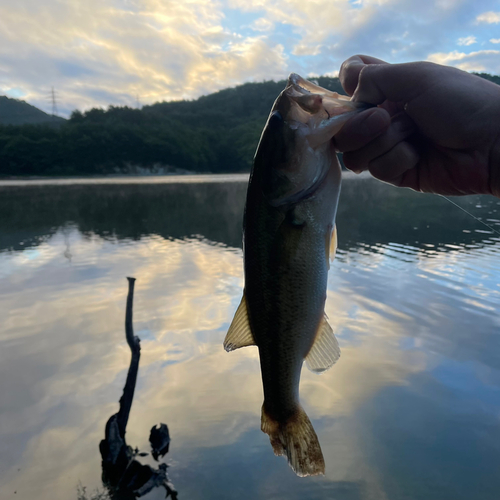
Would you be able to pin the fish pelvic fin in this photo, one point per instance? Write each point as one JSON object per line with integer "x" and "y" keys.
{"x": 239, "y": 333}
{"x": 296, "y": 439}
{"x": 325, "y": 351}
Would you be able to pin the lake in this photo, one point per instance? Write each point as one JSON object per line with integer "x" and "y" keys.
{"x": 410, "y": 411}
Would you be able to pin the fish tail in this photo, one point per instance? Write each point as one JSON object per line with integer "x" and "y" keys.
{"x": 296, "y": 439}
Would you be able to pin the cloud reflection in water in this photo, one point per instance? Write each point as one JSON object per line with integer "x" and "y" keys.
{"x": 418, "y": 373}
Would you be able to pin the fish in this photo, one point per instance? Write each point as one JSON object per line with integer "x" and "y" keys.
{"x": 289, "y": 237}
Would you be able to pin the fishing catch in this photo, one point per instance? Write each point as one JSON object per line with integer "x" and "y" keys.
{"x": 289, "y": 237}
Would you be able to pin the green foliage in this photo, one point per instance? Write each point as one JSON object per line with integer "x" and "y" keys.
{"x": 215, "y": 133}
{"x": 16, "y": 112}
{"x": 491, "y": 78}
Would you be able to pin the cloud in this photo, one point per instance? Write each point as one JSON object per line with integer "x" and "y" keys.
{"x": 482, "y": 60}
{"x": 97, "y": 53}
{"x": 321, "y": 34}
{"x": 489, "y": 17}
{"x": 468, "y": 40}
{"x": 495, "y": 40}
{"x": 262, "y": 24}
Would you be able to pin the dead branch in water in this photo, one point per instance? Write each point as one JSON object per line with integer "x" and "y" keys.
{"x": 122, "y": 472}
{"x": 135, "y": 347}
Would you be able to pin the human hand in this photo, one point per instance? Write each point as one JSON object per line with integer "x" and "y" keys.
{"x": 436, "y": 129}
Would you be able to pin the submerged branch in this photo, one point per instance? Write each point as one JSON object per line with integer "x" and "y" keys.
{"x": 135, "y": 347}
{"x": 123, "y": 474}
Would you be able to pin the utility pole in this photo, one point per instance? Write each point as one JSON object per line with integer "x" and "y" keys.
{"x": 138, "y": 101}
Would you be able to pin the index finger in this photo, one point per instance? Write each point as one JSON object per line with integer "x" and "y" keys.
{"x": 350, "y": 69}
{"x": 394, "y": 82}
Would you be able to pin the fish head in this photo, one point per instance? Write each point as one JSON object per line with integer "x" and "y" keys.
{"x": 295, "y": 151}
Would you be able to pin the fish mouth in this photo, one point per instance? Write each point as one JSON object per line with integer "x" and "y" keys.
{"x": 313, "y": 105}
{"x": 318, "y": 112}
{"x": 297, "y": 137}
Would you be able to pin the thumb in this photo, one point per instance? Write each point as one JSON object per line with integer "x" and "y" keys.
{"x": 350, "y": 69}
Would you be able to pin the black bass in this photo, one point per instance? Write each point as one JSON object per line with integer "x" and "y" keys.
{"x": 289, "y": 235}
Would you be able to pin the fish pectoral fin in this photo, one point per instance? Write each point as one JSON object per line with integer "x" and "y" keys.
{"x": 239, "y": 333}
{"x": 333, "y": 243}
{"x": 325, "y": 350}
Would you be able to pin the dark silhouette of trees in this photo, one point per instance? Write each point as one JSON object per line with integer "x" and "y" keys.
{"x": 215, "y": 133}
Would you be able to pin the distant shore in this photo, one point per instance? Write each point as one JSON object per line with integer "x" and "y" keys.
{"x": 139, "y": 179}
{"x": 125, "y": 179}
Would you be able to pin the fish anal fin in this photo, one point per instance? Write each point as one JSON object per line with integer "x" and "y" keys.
{"x": 325, "y": 351}
{"x": 296, "y": 439}
{"x": 239, "y": 333}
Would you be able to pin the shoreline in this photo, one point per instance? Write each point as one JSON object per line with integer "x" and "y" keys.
{"x": 143, "y": 179}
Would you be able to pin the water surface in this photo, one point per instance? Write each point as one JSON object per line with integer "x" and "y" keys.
{"x": 410, "y": 411}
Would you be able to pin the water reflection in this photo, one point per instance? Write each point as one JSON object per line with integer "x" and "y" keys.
{"x": 373, "y": 215}
{"x": 370, "y": 215}
{"x": 410, "y": 410}
{"x": 28, "y": 215}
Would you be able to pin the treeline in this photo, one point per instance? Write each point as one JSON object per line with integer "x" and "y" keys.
{"x": 215, "y": 133}
{"x": 17, "y": 112}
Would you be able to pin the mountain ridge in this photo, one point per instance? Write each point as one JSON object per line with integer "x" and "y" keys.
{"x": 19, "y": 112}
{"x": 215, "y": 133}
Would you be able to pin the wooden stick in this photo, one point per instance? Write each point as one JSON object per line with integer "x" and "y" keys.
{"x": 135, "y": 347}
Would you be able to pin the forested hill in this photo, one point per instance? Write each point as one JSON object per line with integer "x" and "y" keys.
{"x": 215, "y": 133}
{"x": 16, "y": 112}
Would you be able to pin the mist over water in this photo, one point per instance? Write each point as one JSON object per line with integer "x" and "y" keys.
{"x": 411, "y": 410}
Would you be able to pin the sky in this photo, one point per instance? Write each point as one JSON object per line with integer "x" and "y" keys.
{"x": 96, "y": 53}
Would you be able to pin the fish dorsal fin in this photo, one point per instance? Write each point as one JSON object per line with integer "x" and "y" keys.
{"x": 325, "y": 350}
{"x": 331, "y": 245}
{"x": 239, "y": 333}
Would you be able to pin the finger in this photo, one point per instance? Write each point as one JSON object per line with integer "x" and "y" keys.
{"x": 410, "y": 179}
{"x": 394, "y": 165}
{"x": 393, "y": 108}
{"x": 350, "y": 68}
{"x": 393, "y": 82}
{"x": 362, "y": 129}
{"x": 400, "y": 129}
